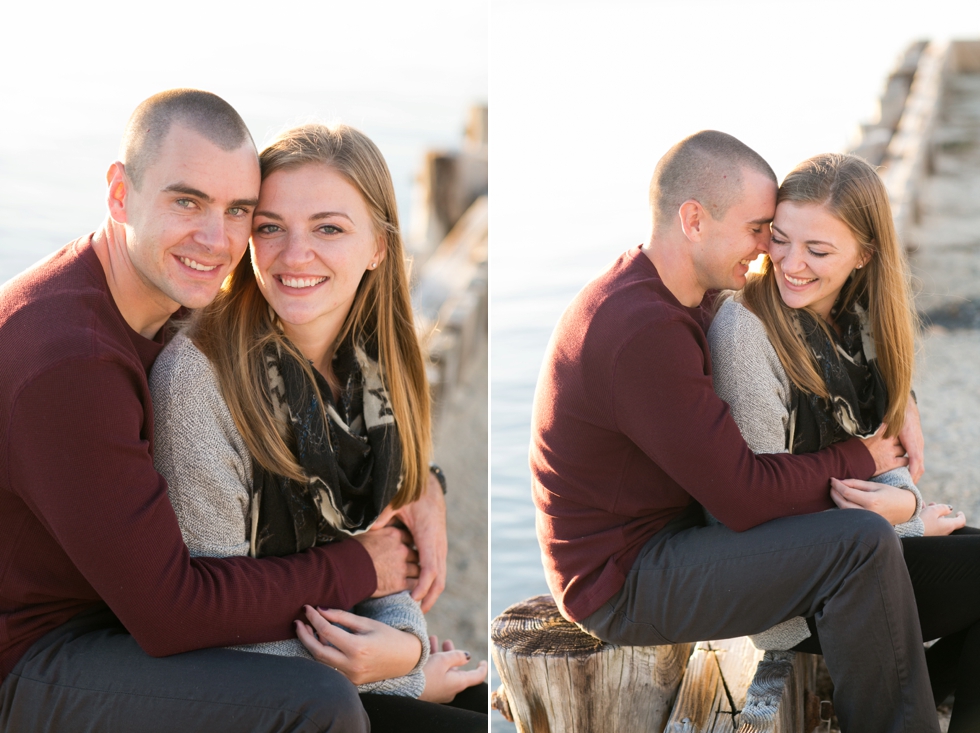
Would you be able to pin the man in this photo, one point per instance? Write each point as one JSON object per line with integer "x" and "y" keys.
{"x": 95, "y": 581}
{"x": 629, "y": 441}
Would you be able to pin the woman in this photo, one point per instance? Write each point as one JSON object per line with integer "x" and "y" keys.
{"x": 819, "y": 347}
{"x": 294, "y": 411}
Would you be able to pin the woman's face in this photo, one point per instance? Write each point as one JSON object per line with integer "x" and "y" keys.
{"x": 312, "y": 241}
{"x": 813, "y": 253}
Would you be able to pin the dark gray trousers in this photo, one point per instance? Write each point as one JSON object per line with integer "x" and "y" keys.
{"x": 845, "y": 568}
{"x": 90, "y": 676}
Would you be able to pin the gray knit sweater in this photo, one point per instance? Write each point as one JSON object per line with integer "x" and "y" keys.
{"x": 208, "y": 469}
{"x": 748, "y": 375}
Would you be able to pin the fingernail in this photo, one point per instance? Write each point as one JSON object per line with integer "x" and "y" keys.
{"x": 467, "y": 654}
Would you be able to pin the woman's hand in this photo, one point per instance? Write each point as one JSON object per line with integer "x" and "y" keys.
{"x": 368, "y": 652}
{"x": 911, "y": 438}
{"x": 893, "y": 503}
{"x": 443, "y": 679}
{"x": 888, "y": 453}
{"x": 426, "y": 520}
{"x": 939, "y": 519}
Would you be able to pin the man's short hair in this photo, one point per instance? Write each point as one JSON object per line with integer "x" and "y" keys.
{"x": 204, "y": 112}
{"x": 706, "y": 167}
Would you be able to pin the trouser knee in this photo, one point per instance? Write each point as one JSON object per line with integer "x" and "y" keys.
{"x": 330, "y": 700}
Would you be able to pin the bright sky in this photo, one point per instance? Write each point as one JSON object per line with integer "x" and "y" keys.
{"x": 587, "y": 97}
{"x": 405, "y": 73}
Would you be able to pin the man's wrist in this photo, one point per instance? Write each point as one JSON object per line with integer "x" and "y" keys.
{"x": 440, "y": 476}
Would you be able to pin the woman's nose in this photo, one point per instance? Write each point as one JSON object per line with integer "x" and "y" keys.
{"x": 296, "y": 251}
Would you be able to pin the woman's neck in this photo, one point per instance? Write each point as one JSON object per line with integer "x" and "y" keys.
{"x": 318, "y": 345}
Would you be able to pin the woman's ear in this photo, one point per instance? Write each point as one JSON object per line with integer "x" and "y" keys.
{"x": 380, "y": 251}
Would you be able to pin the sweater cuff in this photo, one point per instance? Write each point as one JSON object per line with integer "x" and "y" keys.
{"x": 858, "y": 459}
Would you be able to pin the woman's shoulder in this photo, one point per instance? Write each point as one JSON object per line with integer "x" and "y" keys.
{"x": 181, "y": 361}
{"x": 735, "y": 320}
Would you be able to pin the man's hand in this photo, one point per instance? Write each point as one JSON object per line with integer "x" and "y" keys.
{"x": 894, "y": 504}
{"x": 426, "y": 520}
{"x": 395, "y": 562}
{"x": 369, "y": 651}
{"x": 888, "y": 453}
{"x": 911, "y": 438}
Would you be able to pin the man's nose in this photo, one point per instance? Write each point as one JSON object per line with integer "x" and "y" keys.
{"x": 212, "y": 232}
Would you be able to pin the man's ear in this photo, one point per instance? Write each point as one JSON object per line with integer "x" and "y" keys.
{"x": 118, "y": 191}
{"x": 692, "y": 216}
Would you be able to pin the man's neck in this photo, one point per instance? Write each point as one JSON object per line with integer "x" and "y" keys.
{"x": 673, "y": 262}
{"x": 142, "y": 306}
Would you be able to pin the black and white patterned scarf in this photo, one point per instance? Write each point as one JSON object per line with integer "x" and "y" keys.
{"x": 353, "y": 459}
{"x": 849, "y": 367}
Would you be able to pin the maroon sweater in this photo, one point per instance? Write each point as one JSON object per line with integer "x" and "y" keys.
{"x": 85, "y": 518}
{"x": 627, "y": 431}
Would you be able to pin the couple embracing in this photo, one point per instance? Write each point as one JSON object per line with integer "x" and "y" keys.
{"x": 216, "y": 433}
{"x": 692, "y": 424}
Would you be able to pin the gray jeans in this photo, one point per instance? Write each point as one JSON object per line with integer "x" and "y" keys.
{"x": 90, "y": 676}
{"x": 845, "y": 568}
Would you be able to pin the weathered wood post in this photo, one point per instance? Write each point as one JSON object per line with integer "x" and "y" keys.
{"x": 558, "y": 679}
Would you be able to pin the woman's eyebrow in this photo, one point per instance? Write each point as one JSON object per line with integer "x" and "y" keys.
{"x": 784, "y": 235}
{"x": 268, "y": 215}
{"x": 328, "y": 214}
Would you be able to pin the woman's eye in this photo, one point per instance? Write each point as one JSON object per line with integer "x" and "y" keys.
{"x": 818, "y": 254}
{"x": 267, "y": 228}
{"x": 329, "y": 229}
{"x": 774, "y": 240}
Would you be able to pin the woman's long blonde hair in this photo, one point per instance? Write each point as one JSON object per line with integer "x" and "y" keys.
{"x": 850, "y": 189}
{"x": 235, "y": 330}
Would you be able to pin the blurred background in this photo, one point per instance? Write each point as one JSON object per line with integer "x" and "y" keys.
{"x": 413, "y": 76}
{"x": 586, "y": 100}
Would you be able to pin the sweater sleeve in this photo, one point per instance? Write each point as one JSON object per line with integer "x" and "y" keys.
{"x": 200, "y": 453}
{"x": 78, "y": 456}
{"x": 664, "y": 401}
{"x": 399, "y": 611}
{"x": 750, "y": 378}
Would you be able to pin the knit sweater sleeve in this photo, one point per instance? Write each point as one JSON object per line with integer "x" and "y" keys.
{"x": 749, "y": 377}
{"x": 399, "y": 611}
{"x": 201, "y": 454}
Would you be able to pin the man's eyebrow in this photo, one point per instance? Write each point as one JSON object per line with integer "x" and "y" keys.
{"x": 190, "y": 191}
{"x": 238, "y": 203}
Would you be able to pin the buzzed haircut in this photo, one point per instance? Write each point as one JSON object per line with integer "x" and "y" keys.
{"x": 706, "y": 167}
{"x": 204, "y": 112}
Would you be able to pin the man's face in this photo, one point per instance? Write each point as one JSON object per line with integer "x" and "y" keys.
{"x": 188, "y": 224}
{"x": 728, "y": 246}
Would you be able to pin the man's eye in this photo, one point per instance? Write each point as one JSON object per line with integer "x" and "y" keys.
{"x": 238, "y": 211}
{"x": 186, "y": 203}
